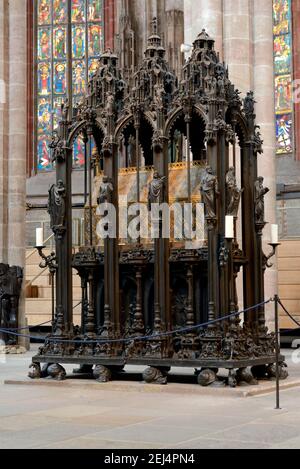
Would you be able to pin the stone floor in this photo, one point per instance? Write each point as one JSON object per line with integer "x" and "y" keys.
{"x": 63, "y": 416}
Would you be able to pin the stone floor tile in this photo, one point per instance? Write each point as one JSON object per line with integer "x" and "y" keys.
{"x": 149, "y": 433}
{"x": 206, "y": 443}
{"x": 260, "y": 433}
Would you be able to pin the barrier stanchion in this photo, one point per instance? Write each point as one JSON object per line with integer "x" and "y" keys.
{"x": 277, "y": 344}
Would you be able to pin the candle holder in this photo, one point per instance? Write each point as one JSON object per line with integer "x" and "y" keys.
{"x": 274, "y": 247}
{"x": 47, "y": 261}
{"x": 50, "y": 262}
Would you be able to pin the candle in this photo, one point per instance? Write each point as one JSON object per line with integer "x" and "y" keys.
{"x": 39, "y": 237}
{"x": 274, "y": 234}
{"x": 229, "y": 227}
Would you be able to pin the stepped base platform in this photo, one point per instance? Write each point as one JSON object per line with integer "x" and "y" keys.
{"x": 240, "y": 372}
{"x": 182, "y": 385}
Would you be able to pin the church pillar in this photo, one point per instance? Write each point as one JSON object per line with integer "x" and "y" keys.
{"x": 206, "y": 14}
{"x": 238, "y": 53}
{"x": 17, "y": 132}
{"x": 15, "y": 136}
{"x": 264, "y": 109}
{"x": 4, "y": 73}
{"x": 174, "y": 34}
{"x": 109, "y": 23}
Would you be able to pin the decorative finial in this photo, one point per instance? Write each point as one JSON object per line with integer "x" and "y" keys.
{"x": 154, "y": 25}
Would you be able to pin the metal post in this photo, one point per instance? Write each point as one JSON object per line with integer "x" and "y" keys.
{"x": 188, "y": 159}
{"x": 138, "y": 164}
{"x": 138, "y": 167}
{"x": 90, "y": 193}
{"x": 85, "y": 140}
{"x": 52, "y": 274}
{"x": 277, "y": 354}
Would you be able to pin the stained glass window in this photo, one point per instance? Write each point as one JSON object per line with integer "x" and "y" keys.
{"x": 69, "y": 41}
{"x": 283, "y": 75}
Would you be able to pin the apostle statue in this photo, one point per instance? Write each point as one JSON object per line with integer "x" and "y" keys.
{"x": 65, "y": 110}
{"x": 159, "y": 96}
{"x": 156, "y": 190}
{"x": 209, "y": 192}
{"x": 56, "y": 205}
{"x": 259, "y": 194}
{"x": 233, "y": 193}
{"x": 132, "y": 161}
{"x": 105, "y": 191}
{"x": 249, "y": 104}
{"x": 110, "y": 104}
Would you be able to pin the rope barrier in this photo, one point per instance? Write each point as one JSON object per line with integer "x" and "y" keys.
{"x": 15, "y": 329}
{"x": 142, "y": 338}
{"x": 289, "y": 315}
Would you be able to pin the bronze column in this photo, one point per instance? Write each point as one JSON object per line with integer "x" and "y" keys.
{"x": 111, "y": 248}
{"x": 223, "y": 153}
{"x": 212, "y": 227}
{"x": 63, "y": 234}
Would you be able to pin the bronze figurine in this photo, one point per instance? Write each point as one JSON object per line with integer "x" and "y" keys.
{"x": 209, "y": 192}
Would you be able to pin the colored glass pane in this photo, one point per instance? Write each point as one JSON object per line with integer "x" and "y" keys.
{"x": 44, "y": 11}
{"x": 59, "y": 78}
{"x": 44, "y": 156}
{"x": 60, "y": 11}
{"x": 57, "y": 104}
{"x": 282, "y": 54}
{"x": 283, "y": 76}
{"x": 78, "y": 41}
{"x": 53, "y": 44}
{"x": 284, "y": 134}
{"x": 78, "y": 152}
{"x": 93, "y": 66}
{"x": 78, "y": 11}
{"x": 282, "y": 16}
{"x": 95, "y": 35}
{"x": 44, "y": 43}
{"x": 44, "y": 78}
{"x": 59, "y": 42}
{"x": 283, "y": 94}
{"x": 94, "y": 10}
{"x": 44, "y": 116}
{"x": 79, "y": 80}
